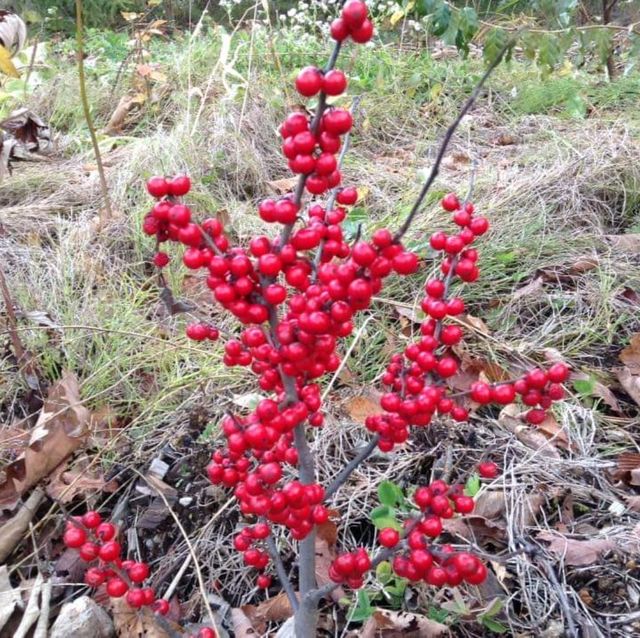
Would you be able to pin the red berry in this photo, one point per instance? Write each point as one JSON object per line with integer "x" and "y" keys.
{"x": 116, "y": 587}
{"x": 106, "y": 531}
{"x": 339, "y": 30}
{"x": 161, "y": 606}
{"x": 263, "y": 581}
{"x": 178, "y": 186}
{"x": 110, "y": 551}
{"x": 197, "y": 331}
{"x": 135, "y": 598}
{"x": 354, "y": 13}
{"x": 555, "y": 392}
{"x": 334, "y": 82}
{"x": 535, "y": 417}
{"x": 537, "y": 378}
{"x": 558, "y": 373}
{"x": 450, "y": 202}
{"x": 207, "y": 632}
{"x": 479, "y": 225}
{"x": 389, "y": 537}
{"x": 488, "y": 469}
{"x": 337, "y": 121}
{"x": 161, "y": 259}
{"x": 447, "y": 367}
{"x": 438, "y": 240}
{"x": 74, "y": 537}
{"x": 436, "y": 576}
{"x": 364, "y": 33}
{"x": 464, "y": 504}
{"x": 504, "y": 393}
{"x": 138, "y": 572}
{"x": 481, "y": 392}
{"x": 88, "y": 551}
{"x": 94, "y": 577}
{"x": 347, "y": 196}
{"x": 309, "y": 81}
{"x": 157, "y": 187}
{"x": 91, "y": 519}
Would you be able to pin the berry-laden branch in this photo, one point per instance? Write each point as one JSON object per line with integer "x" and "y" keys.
{"x": 297, "y": 294}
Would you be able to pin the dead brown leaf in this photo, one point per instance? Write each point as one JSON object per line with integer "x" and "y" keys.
{"x": 360, "y": 407}
{"x": 413, "y": 314}
{"x": 386, "y": 623}
{"x": 633, "y": 503}
{"x": 475, "y": 528}
{"x": 505, "y": 139}
{"x": 630, "y": 382}
{"x": 242, "y": 627}
{"x": 630, "y": 356}
{"x": 550, "y": 428}
{"x": 492, "y": 504}
{"x": 577, "y": 552}
{"x": 475, "y": 323}
{"x": 274, "y": 609}
{"x": 140, "y": 623}
{"x": 583, "y": 264}
{"x": 532, "y": 288}
{"x": 62, "y": 427}
{"x": 64, "y": 484}
{"x": 628, "y": 243}
{"x": 509, "y": 417}
{"x": 120, "y": 116}
{"x": 283, "y": 186}
{"x": 456, "y": 161}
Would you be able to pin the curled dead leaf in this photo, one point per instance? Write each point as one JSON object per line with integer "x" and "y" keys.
{"x": 360, "y": 407}
{"x": 577, "y": 552}
{"x": 630, "y": 382}
{"x": 532, "y": 288}
{"x": 599, "y": 390}
{"x": 62, "y": 427}
{"x": 475, "y": 528}
{"x": 630, "y": 355}
{"x": 65, "y": 484}
{"x": 273, "y": 610}
{"x": 141, "y": 623}
{"x": 386, "y": 623}
{"x": 283, "y": 186}
{"x": 509, "y": 418}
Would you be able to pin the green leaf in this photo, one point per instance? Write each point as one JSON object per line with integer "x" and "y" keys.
{"x": 575, "y": 106}
{"x": 495, "y": 41}
{"x": 390, "y": 494}
{"x": 603, "y": 41}
{"x": 383, "y": 572}
{"x": 383, "y": 522}
{"x": 396, "y": 590}
{"x": 427, "y": 7}
{"x": 506, "y": 257}
{"x": 468, "y": 22}
{"x": 493, "y": 625}
{"x": 441, "y": 19}
{"x": 382, "y": 511}
{"x": 472, "y": 486}
{"x": 495, "y": 607}
{"x": 585, "y": 387}
{"x": 363, "y": 608}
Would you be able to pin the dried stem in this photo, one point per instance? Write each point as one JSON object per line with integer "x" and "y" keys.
{"x": 108, "y": 211}
{"x": 447, "y": 139}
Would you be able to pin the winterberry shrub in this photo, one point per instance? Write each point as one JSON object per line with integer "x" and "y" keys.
{"x": 296, "y": 295}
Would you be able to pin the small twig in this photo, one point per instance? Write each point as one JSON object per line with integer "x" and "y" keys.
{"x": 282, "y": 572}
{"x": 87, "y": 113}
{"x": 447, "y": 139}
{"x": 194, "y": 557}
{"x": 348, "y": 469}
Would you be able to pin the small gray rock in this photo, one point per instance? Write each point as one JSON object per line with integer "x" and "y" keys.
{"x": 82, "y": 618}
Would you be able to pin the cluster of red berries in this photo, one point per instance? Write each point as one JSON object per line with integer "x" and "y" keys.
{"x": 417, "y": 558}
{"x": 354, "y": 23}
{"x": 417, "y": 377}
{"x": 349, "y": 568}
{"x": 95, "y": 540}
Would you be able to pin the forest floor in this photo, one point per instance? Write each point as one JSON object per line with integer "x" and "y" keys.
{"x": 558, "y": 175}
